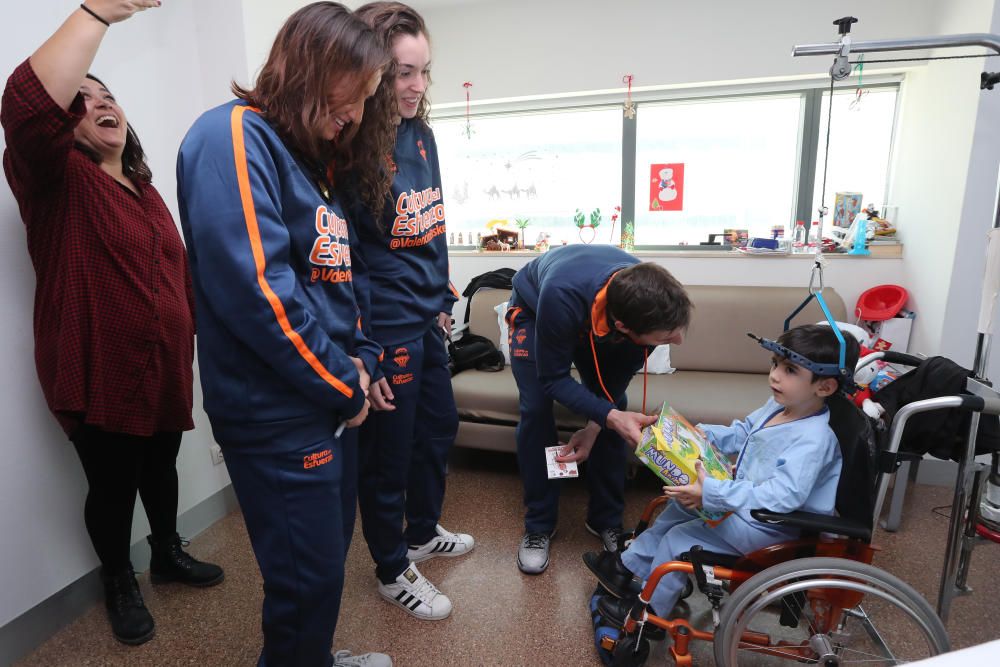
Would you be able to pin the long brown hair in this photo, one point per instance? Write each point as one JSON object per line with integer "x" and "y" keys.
{"x": 318, "y": 45}
{"x": 389, "y": 20}
{"x": 134, "y": 163}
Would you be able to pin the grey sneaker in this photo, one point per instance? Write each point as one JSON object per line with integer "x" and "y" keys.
{"x": 533, "y": 556}
{"x": 345, "y": 659}
{"x": 609, "y": 536}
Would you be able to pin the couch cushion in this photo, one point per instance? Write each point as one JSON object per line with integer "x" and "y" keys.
{"x": 482, "y": 317}
{"x": 710, "y": 397}
{"x": 702, "y": 396}
{"x": 717, "y": 340}
{"x": 493, "y": 398}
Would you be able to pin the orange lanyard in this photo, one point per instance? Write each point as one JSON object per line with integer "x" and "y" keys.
{"x": 597, "y": 368}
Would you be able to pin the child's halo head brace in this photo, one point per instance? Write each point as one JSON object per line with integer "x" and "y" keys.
{"x": 844, "y": 375}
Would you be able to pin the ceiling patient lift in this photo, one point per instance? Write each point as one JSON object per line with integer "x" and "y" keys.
{"x": 971, "y": 476}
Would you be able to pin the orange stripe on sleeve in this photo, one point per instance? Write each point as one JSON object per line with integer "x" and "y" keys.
{"x": 454, "y": 291}
{"x": 253, "y": 231}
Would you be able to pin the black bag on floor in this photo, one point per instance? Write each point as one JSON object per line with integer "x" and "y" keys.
{"x": 472, "y": 351}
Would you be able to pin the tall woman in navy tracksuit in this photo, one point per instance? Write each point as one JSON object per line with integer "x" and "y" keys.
{"x": 405, "y": 443}
{"x": 283, "y": 362}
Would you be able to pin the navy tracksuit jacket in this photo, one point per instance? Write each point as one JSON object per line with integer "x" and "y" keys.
{"x": 277, "y": 324}
{"x": 401, "y": 271}
{"x": 557, "y": 319}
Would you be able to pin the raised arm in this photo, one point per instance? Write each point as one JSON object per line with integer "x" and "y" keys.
{"x": 64, "y": 59}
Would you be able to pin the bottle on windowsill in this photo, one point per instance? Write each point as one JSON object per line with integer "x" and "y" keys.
{"x": 799, "y": 237}
{"x": 813, "y": 240}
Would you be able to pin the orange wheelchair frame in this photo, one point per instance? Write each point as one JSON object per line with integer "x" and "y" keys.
{"x": 831, "y": 603}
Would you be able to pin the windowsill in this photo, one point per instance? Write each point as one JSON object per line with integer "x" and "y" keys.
{"x": 894, "y": 251}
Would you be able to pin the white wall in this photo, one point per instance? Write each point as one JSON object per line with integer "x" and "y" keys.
{"x": 165, "y": 66}
{"x": 961, "y": 308}
{"x": 523, "y": 47}
{"x": 944, "y": 181}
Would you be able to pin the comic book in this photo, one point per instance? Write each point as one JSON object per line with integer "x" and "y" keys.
{"x": 670, "y": 446}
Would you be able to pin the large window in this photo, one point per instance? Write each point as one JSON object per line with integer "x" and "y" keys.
{"x": 739, "y": 160}
{"x": 747, "y": 161}
{"x": 860, "y": 141}
{"x": 535, "y": 167}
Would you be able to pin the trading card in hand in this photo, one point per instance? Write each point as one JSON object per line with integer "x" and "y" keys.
{"x": 556, "y": 469}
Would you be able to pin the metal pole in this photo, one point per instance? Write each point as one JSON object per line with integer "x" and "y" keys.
{"x": 953, "y": 555}
{"x": 988, "y": 40}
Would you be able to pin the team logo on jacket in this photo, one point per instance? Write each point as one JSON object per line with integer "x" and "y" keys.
{"x": 317, "y": 459}
{"x": 402, "y": 357}
{"x": 419, "y": 219}
{"x": 521, "y": 335}
{"x": 331, "y": 251}
{"x": 420, "y": 146}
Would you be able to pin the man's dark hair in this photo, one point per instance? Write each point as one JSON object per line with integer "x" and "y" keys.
{"x": 646, "y": 297}
{"x": 818, "y": 342}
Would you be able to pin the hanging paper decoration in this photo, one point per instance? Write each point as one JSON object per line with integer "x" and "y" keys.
{"x": 468, "y": 123}
{"x": 666, "y": 187}
{"x": 861, "y": 91}
{"x": 614, "y": 219}
{"x": 629, "y": 104}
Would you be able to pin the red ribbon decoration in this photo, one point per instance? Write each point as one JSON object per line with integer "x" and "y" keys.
{"x": 628, "y": 79}
{"x": 467, "y": 85}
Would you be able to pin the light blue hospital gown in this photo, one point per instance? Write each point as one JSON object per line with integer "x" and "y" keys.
{"x": 783, "y": 468}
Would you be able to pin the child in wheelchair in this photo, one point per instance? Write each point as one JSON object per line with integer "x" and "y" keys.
{"x": 787, "y": 458}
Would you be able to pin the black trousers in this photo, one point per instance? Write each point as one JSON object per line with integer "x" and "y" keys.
{"x": 118, "y": 465}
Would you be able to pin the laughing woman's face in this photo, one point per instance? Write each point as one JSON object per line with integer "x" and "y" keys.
{"x": 104, "y": 127}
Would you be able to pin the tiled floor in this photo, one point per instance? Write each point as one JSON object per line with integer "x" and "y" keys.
{"x": 501, "y": 616}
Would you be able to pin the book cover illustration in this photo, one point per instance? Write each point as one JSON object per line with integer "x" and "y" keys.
{"x": 671, "y": 445}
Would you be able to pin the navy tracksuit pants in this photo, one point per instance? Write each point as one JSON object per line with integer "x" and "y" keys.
{"x": 296, "y": 484}
{"x": 403, "y": 453}
{"x": 618, "y": 361}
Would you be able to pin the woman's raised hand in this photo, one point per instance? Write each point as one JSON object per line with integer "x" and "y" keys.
{"x": 116, "y": 11}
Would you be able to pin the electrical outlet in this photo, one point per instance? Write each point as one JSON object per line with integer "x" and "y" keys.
{"x": 216, "y": 454}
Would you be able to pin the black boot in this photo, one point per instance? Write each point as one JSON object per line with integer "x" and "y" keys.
{"x": 171, "y": 563}
{"x": 613, "y": 575}
{"x": 131, "y": 622}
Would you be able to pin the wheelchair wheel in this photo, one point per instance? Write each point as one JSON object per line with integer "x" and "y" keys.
{"x": 627, "y": 655}
{"x": 827, "y": 611}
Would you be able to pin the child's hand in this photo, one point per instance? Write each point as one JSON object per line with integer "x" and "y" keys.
{"x": 700, "y": 470}
{"x": 688, "y": 495}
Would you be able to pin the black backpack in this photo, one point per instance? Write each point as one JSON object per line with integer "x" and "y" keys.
{"x": 498, "y": 279}
{"x": 473, "y": 351}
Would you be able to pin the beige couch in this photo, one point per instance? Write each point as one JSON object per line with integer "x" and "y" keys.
{"x": 721, "y": 373}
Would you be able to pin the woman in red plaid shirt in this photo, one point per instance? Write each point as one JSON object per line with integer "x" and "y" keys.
{"x": 113, "y": 321}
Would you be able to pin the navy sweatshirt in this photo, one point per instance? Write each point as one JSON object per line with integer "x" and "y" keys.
{"x": 401, "y": 268}
{"x": 271, "y": 265}
{"x": 564, "y": 291}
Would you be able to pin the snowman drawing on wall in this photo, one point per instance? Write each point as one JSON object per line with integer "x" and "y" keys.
{"x": 668, "y": 188}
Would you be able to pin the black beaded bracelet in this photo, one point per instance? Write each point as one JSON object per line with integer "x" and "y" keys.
{"x": 92, "y": 13}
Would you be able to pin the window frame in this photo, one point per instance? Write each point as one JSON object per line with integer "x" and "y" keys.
{"x": 810, "y": 142}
